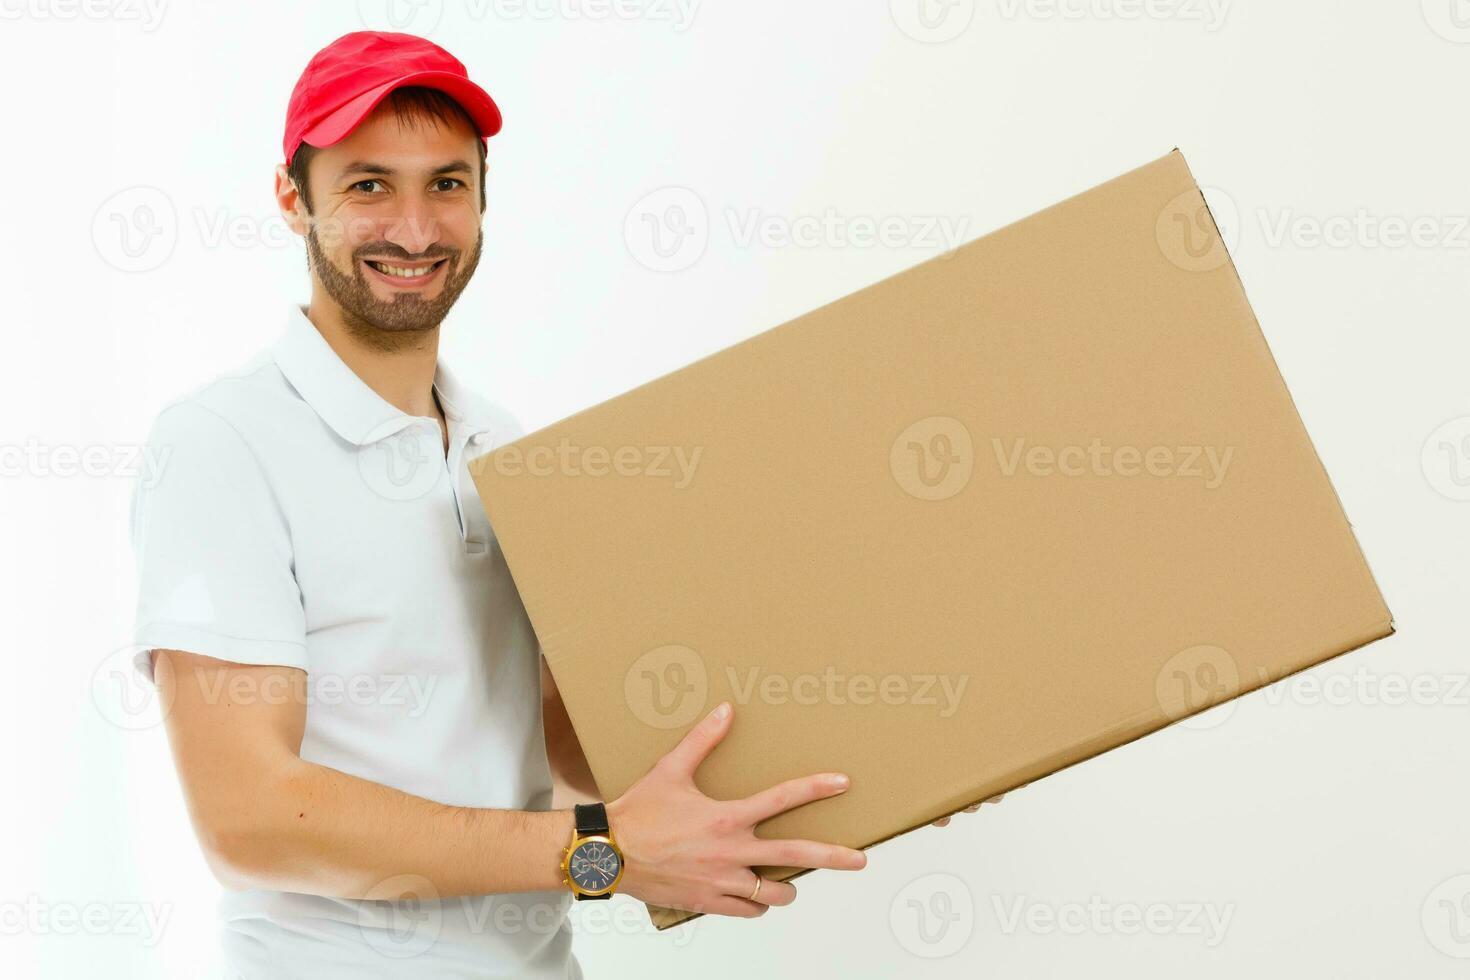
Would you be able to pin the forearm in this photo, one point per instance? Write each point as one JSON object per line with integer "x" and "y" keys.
{"x": 319, "y": 831}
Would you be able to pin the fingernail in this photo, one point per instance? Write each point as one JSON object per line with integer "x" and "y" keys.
{"x": 840, "y": 780}
{"x": 722, "y": 710}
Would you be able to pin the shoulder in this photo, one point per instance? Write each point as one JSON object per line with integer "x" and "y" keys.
{"x": 208, "y": 453}
{"x": 219, "y": 436}
{"x": 234, "y": 412}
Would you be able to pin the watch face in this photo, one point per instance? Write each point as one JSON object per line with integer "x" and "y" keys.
{"x": 594, "y": 866}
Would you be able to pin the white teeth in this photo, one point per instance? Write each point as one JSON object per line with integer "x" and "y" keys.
{"x": 401, "y": 271}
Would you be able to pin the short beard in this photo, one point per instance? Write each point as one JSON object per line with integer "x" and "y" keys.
{"x": 399, "y": 322}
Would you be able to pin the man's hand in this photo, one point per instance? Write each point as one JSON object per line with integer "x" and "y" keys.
{"x": 684, "y": 850}
{"x": 944, "y": 821}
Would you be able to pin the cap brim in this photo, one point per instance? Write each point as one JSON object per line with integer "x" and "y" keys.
{"x": 476, "y": 101}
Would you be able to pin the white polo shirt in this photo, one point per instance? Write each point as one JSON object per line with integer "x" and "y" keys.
{"x": 301, "y": 520}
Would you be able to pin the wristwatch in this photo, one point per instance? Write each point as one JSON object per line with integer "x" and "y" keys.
{"x": 593, "y": 863}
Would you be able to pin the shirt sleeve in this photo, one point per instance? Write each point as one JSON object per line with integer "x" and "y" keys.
{"x": 213, "y": 549}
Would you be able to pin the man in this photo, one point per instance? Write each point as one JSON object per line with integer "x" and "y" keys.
{"x": 355, "y": 696}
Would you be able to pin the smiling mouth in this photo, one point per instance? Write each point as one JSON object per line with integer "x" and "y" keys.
{"x": 406, "y": 274}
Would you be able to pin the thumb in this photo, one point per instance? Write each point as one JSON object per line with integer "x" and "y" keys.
{"x": 700, "y": 741}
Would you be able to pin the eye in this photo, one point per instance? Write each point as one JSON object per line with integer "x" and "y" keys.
{"x": 454, "y": 183}
{"x": 366, "y": 186}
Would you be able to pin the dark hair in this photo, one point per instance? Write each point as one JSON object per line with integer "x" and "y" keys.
{"x": 410, "y": 104}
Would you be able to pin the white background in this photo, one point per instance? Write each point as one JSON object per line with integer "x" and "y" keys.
{"x": 1328, "y": 824}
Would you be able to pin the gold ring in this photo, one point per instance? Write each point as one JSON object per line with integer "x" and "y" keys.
{"x": 758, "y": 882}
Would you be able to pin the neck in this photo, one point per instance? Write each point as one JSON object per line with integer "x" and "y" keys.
{"x": 399, "y": 367}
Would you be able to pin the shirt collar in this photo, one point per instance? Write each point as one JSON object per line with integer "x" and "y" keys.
{"x": 346, "y": 403}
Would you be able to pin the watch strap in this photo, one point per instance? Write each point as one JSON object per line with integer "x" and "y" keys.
{"x": 591, "y": 819}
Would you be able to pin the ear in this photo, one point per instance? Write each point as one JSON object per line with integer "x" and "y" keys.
{"x": 288, "y": 199}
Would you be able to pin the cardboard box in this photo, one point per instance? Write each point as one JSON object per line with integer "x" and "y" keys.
{"x": 987, "y": 518}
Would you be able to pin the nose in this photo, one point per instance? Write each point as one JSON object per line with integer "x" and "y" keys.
{"x": 414, "y": 228}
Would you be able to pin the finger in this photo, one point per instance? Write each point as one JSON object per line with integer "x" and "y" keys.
{"x": 699, "y": 741}
{"x": 738, "y": 907}
{"x": 772, "y": 892}
{"x": 791, "y": 794}
{"x": 942, "y": 822}
{"x": 802, "y": 854}
{"x": 976, "y": 806}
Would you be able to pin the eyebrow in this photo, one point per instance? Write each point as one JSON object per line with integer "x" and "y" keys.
{"x": 378, "y": 170}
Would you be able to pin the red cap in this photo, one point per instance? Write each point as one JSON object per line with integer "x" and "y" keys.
{"x": 348, "y": 78}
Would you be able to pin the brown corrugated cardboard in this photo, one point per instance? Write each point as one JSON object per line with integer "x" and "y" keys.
{"x": 987, "y": 518}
